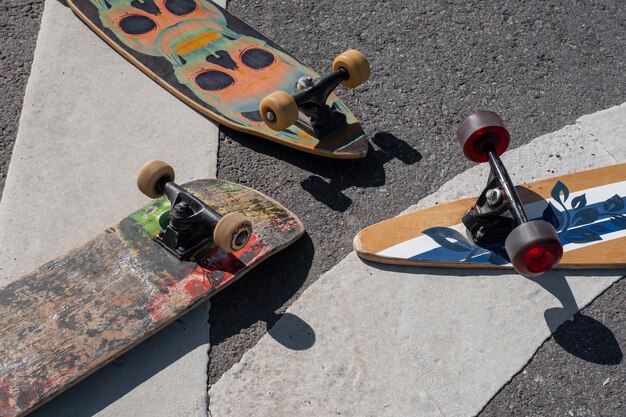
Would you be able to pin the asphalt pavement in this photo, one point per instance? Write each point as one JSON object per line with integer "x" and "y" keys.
{"x": 541, "y": 65}
{"x": 19, "y": 25}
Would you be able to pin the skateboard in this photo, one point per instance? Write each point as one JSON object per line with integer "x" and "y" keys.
{"x": 228, "y": 71}
{"x": 575, "y": 221}
{"x": 78, "y": 312}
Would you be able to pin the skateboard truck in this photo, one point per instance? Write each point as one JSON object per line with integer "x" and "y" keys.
{"x": 498, "y": 214}
{"x": 498, "y": 209}
{"x": 279, "y": 110}
{"x": 311, "y": 96}
{"x": 190, "y": 221}
{"x": 190, "y": 224}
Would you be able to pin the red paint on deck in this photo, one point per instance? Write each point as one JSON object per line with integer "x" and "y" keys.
{"x": 214, "y": 271}
{"x": 7, "y": 404}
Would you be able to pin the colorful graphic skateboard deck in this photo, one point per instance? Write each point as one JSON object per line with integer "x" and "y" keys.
{"x": 216, "y": 64}
{"x": 587, "y": 209}
{"x": 76, "y": 313}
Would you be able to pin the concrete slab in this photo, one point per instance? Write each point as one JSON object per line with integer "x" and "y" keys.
{"x": 389, "y": 341}
{"x": 609, "y": 127}
{"x": 89, "y": 122}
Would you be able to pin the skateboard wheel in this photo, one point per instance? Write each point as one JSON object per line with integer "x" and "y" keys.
{"x": 279, "y": 110}
{"x": 479, "y": 129}
{"x": 232, "y": 232}
{"x": 151, "y": 174}
{"x": 357, "y": 66}
{"x": 534, "y": 248}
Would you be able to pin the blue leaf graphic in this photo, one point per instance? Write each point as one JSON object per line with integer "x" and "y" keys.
{"x": 449, "y": 239}
{"x": 619, "y": 221}
{"x": 580, "y": 236}
{"x": 553, "y": 216}
{"x": 585, "y": 216}
{"x": 558, "y": 189}
{"x": 579, "y": 202}
{"x": 599, "y": 228}
{"x": 615, "y": 203}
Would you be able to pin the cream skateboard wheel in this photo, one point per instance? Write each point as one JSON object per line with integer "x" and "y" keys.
{"x": 151, "y": 174}
{"x": 279, "y": 110}
{"x": 232, "y": 232}
{"x": 356, "y": 65}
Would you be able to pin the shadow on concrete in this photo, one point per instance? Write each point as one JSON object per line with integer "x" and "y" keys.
{"x": 267, "y": 289}
{"x": 556, "y": 284}
{"x": 292, "y": 332}
{"x": 330, "y": 177}
{"x": 247, "y": 304}
{"x": 578, "y": 334}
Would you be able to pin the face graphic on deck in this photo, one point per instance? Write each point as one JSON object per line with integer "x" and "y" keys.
{"x": 139, "y": 23}
{"x": 226, "y": 70}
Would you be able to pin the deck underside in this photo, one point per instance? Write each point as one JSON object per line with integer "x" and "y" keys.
{"x": 78, "y": 312}
{"x": 588, "y": 210}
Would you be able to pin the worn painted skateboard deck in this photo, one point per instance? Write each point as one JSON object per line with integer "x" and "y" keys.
{"x": 215, "y": 63}
{"x": 76, "y": 313}
{"x": 587, "y": 209}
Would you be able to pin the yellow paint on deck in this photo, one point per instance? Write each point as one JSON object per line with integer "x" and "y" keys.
{"x": 196, "y": 42}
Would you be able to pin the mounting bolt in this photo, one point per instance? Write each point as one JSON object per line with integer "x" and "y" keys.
{"x": 494, "y": 197}
{"x": 304, "y": 83}
{"x": 182, "y": 210}
{"x": 270, "y": 115}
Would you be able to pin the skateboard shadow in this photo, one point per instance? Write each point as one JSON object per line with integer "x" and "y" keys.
{"x": 578, "y": 334}
{"x": 260, "y": 297}
{"x": 292, "y": 332}
{"x": 330, "y": 177}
